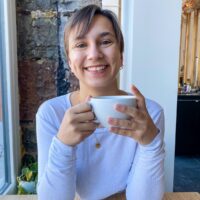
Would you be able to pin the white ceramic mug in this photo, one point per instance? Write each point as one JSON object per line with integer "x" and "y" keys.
{"x": 103, "y": 107}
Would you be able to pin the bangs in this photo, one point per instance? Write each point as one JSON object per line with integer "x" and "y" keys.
{"x": 82, "y": 21}
{"x": 80, "y": 29}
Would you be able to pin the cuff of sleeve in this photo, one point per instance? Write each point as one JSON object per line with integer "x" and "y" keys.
{"x": 62, "y": 150}
{"x": 61, "y": 157}
{"x": 155, "y": 144}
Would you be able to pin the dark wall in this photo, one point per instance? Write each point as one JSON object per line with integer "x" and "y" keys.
{"x": 42, "y": 68}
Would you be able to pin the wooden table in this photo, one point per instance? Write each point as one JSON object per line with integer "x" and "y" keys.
{"x": 182, "y": 196}
{"x": 168, "y": 196}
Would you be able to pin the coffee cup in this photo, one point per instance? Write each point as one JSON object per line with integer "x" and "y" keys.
{"x": 103, "y": 107}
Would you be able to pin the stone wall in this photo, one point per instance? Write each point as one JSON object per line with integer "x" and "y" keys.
{"x": 43, "y": 70}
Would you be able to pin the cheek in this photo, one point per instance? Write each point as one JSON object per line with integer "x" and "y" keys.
{"x": 73, "y": 62}
{"x": 120, "y": 58}
{"x": 76, "y": 57}
{"x": 117, "y": 59}
{"x": 115, "y": 55}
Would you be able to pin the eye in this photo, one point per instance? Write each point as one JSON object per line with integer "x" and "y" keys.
{"x": 105, "y": 42}
{"x": 80, "y": 45}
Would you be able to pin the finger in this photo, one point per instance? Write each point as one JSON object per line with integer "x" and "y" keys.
{"x": 84, "y": 117}
{"x": 140, "y": 98}
{"x": 87, "y": 133}
{"x": 131, "y": 111}
{"x": 82, "y": 107}
{"x": 87, "y": 126}
{"x": 122, "y": 123}
{"x": 120, "y": 131}
{"x": 84, "y": 134}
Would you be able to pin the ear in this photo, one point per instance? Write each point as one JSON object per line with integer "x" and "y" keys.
{"x": 69, "y": 62}
{"x": 122, "y": 58}
{"x": 71, "y": 67}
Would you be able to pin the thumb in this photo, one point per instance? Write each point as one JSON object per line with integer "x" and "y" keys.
{"x": 140, "y": 98}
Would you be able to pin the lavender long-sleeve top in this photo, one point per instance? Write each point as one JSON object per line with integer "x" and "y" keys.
{"x": 119, "y": 164}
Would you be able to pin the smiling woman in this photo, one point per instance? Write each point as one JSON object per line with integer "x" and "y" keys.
{"x": 75, "y": 154}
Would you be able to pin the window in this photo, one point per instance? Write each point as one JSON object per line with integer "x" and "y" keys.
{"x": 189, "y": 65}
{"x": 2, "y": 145}
{"x": 114, "y": 5}
{"x": 9, "y": 120}
{"x": 2, "y": 158}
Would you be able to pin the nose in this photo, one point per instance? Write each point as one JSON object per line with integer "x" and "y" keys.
{"x": 94, "y": 52}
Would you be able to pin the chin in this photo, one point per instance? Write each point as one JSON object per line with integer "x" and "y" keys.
{"x": 100, "y": 86}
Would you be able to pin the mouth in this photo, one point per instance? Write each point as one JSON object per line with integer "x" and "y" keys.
{"x": 96, "y": 68}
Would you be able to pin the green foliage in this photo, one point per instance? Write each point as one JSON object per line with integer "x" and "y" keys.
{"x": 27, "y": 180}
{"x": 28, "y": 173}
{"x": 21, "y": 190}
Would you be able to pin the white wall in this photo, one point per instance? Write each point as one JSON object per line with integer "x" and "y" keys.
{"x": 111, "y": 5}
{"x": 152, "y": 33}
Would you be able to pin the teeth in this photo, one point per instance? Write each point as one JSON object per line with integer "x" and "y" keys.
{"x": 99, "y": 68}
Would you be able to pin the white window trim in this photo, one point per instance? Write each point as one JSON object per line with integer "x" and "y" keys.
{"x": 127, "y": 28}
{"x": 10, "y": 61}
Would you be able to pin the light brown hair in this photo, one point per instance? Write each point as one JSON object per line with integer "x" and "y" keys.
{"x": 82, "y": 19}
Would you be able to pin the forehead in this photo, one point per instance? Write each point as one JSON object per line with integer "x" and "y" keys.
{"x": 98, "y": 25}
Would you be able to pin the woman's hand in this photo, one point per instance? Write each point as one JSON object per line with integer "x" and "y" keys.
{"x": 77, "y": 124}
{"x": 140, "y": 126}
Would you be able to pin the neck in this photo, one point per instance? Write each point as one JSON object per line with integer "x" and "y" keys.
{"x": 84, "y": 92}
{"x": 101, "y": 91}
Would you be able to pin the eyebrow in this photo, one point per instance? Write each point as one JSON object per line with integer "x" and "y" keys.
{"x": 103, "y": 34}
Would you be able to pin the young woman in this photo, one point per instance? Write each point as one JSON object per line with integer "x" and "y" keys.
{"x": 75, "y": 154}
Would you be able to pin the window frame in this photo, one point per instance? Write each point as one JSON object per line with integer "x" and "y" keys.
{"x": 10, "y": 94}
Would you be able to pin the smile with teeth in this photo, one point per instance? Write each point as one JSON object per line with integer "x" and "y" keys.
{"x": 96, "y": 68}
